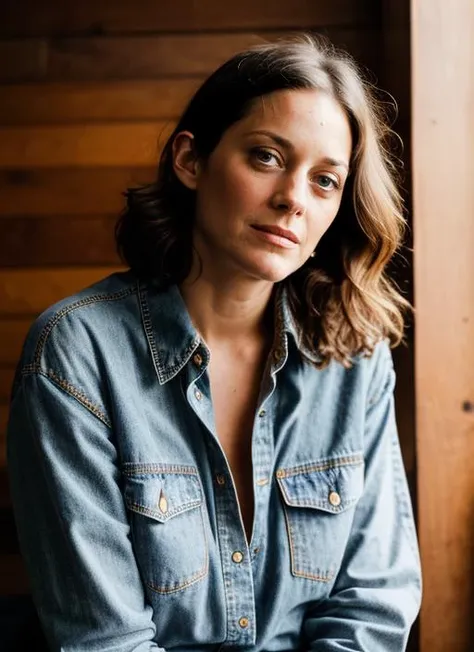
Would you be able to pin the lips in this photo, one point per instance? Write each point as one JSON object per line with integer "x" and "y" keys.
{"x": 277, "y": 230}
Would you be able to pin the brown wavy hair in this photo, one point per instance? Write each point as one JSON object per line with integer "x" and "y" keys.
{"x": 342, "y": 298}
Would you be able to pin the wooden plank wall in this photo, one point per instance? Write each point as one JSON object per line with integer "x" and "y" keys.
{"x": 443, "y": 148}
{"x": 88, "y": 91}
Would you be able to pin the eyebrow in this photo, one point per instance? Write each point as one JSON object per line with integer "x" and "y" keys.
{"x": 283, "y": 142}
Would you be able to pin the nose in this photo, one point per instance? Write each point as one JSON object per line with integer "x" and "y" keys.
{"x": 290, "y": 196}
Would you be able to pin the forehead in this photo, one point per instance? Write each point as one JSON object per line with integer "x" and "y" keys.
{"x": 307, "y": 118}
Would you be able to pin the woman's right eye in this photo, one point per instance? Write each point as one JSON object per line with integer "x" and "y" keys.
{"x": 265, "y": 156}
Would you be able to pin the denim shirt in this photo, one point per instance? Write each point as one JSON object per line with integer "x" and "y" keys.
{"x": 126, "y": 508}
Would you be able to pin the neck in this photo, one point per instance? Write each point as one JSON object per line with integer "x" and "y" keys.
{"x": 231, "y": 310}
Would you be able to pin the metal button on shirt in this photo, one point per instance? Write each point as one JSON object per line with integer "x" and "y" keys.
{"x": 237, "y": 557}
{"x": 334, "y": 499}
{"x": 244, "y": 622}
{"x": 197, "y": 359}
{"x": 198, "y": 395}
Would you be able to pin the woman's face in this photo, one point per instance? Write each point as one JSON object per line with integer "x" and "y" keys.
{"x": 272, "y": 186}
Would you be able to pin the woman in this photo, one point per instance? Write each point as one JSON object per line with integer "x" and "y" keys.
{"x": 274, "y": 515}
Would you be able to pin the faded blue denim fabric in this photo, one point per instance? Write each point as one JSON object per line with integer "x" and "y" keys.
{"x": 126, "y": 509}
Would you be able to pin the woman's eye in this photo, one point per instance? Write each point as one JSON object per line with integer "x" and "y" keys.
{"x": 265, "y": 156}
{"x": 326, "y": 183}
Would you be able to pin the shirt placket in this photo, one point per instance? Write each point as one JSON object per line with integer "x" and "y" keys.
{"x": 234, "y": 551}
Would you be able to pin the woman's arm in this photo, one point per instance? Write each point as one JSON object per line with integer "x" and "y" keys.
{"x": 377, "y": 593}
{"x": 72, "y": 523}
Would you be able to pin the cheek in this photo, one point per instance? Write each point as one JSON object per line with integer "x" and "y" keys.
{"x": 241, "y": 190}
{"x": 234, "y": 186}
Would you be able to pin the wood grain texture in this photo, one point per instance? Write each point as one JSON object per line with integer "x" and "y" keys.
{"x": 12, "y": 336}
{"x": 29, "y": 18}
{"x": 84, "y": 102}
{"x": 46, "y": 241}
{"x": 22, "y": 60}
{"x": 148, "y": 57}
{"x": 143, "y": 57}
{"x": 443, "y": 135}
{"x": 29, "y": 292}
{"x": 64, "y": 192}
{"x": 119, "y": 144}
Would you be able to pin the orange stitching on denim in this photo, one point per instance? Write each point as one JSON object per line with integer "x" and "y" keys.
{"x": 131, "y": 469}
{"x": 310, "y": 576}
{"x": 80, "y": 396}
{"x": 322, "y": 466}
{"x": 141, "y": 509}
{"x": 69, "y": 389}
{"x": 86, "y": 301}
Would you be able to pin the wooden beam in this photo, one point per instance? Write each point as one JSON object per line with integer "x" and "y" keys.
{"x": 29, "y": 17}
{"x": 22, "y": 59}
{"x": 119, "y": 144}
{"x": 30, "y": 291}
{"x": 150, "y": 57}
{"x": 37, "y": 241}
{"x": 12, "y": 336}
{"x": 68, "y": 191}
{"x": 83, "y": 102}
{"x": 443, "y": 173}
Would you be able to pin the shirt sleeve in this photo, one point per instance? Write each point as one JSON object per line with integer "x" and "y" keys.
{"x": 72, "y": 523}
{"x": 376, "y": 595}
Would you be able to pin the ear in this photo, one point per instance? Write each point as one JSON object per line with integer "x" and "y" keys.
{"x": 185, "y": 162}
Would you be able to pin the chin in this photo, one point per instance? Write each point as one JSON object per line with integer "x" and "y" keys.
{"x": 272, "y": 271}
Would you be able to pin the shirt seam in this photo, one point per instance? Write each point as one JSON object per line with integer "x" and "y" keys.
{"x": 81, "y": 303}
{"x": 70, "y": 389}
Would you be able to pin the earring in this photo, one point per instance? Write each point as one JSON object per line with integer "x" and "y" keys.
{"x": 313, "y": 254}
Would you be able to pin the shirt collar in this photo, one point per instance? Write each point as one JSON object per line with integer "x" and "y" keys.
{"x": 285, "y": 323}
{"x": 171, "y": 334}
{"x": 173, "y": 339}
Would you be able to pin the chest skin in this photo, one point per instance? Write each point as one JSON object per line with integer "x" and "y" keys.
{"x": 235, "y": 389}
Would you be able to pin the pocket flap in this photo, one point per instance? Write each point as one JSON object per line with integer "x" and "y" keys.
{"x": 329, "y": 485}
{"x": 161, "y": 491}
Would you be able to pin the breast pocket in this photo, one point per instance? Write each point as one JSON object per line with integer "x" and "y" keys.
{"x": 319, "y": 501}
{"x": 167, "y": 522}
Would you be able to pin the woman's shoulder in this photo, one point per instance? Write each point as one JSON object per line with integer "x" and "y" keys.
{"x": 78, "y": 322}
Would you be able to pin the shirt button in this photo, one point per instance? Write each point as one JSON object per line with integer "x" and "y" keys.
{"x": 163, "y": 504}
{"x": 220, "y": 479}
{"x": 198, "y": 395}
{"x": 197, "y": 359}
{"x": 262, "y": 413}
{"x": 237, "y": 557}
{"x": 244, "y": 622}
{"x": 334, "y": 499}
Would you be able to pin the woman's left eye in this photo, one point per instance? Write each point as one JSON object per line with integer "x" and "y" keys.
{"x": 326, "y": 183}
